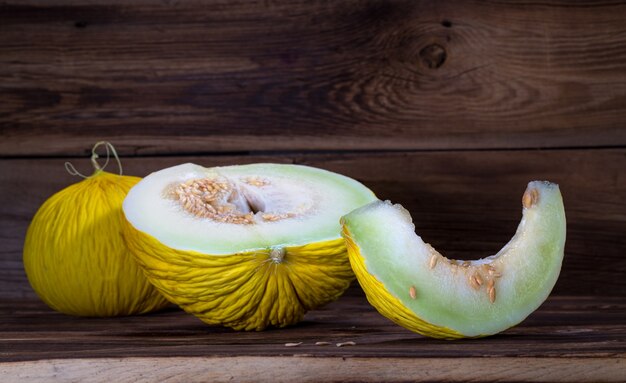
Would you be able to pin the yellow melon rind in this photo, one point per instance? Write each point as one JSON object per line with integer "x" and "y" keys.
{"x": 75, "y": 258}
{"x": 387, "y": 304}
{"x": 247, "y": 290}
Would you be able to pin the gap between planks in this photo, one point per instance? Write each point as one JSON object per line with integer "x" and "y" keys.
{"x": 125, "y": 152}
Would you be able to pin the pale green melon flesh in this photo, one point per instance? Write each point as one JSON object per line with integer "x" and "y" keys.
{"x": 325, "y": 195}
{"x": 529, "y": 266}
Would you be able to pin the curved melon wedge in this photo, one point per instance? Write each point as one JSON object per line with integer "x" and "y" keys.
{"x": 410, "y": 283}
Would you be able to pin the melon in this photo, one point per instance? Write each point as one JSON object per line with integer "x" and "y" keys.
{"x": 244, "y": 246}
{"x": 75, "y": 256}
{"x": 411, "y": 283}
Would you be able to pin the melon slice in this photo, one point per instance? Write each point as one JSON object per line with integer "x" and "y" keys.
{"x": 245, "y": 246}
{"x": 412, "y": 284}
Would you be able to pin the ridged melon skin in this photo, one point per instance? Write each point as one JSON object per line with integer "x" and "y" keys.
{"x": 412, "y": 284}
{"x": 248, "y": 290}
{"x": 75, "y": 256}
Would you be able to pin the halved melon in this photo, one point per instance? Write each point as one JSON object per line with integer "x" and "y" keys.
{"x": 409, "y": 282}
{"x": 245, "y": 246}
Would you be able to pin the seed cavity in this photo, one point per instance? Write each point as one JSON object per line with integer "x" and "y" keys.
{"x": 216, "y": 199}
{"x": 322, "y": 343}
{"x": 412, "y": 292}
{"x": 295, "y": 344}
{"x": 227, "y": 201}
{"x": 530, "y": 198}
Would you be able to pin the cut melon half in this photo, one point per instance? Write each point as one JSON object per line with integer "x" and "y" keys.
{"x": 246, "y": 246}
{"x": 412, "y": 284}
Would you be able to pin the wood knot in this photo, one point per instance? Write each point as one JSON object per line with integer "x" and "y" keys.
{"x": 433, "y": 56}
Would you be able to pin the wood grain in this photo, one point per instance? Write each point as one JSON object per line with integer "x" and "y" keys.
{"x": 564, "y": 327}
{"x": 467, "y": 204}
{"x": 219, "y": 76}
{"x": 306, "y": 369}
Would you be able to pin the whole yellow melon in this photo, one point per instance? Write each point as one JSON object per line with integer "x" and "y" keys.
{"x": 75, "y": 256}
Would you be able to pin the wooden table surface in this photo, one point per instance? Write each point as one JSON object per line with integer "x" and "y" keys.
{"x": 447, "y": 107}
{"x": 570, "y": 338}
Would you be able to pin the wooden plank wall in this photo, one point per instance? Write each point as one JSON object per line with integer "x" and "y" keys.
{"x": 448, "y": 107}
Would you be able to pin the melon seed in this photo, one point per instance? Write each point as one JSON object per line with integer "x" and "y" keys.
{"x": 433, "y": 261}
{"x": 412, "y": 292}
{"x": 492, "y": 294}
{"x": 530, "y": 198}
